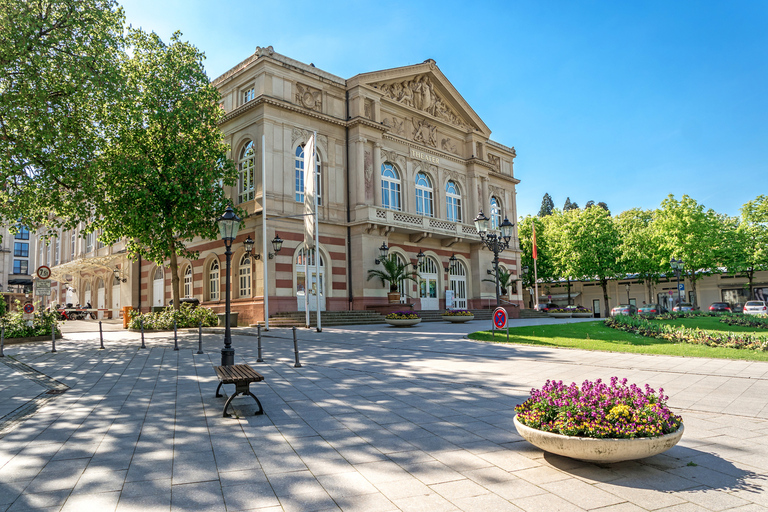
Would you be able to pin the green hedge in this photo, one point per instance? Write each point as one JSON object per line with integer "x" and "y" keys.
{"x": 187, "y": 316}
{"x": 42, "y": 323}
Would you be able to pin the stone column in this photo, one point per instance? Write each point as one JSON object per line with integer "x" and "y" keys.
{"x": 360, "y": 170}
{"x": 484, "y": 205}
{"x": 377, "y": 174}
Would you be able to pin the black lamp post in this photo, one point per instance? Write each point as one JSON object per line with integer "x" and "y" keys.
{"x": 229, "y": 224}
{"x": 677, "y": 266}
{"x": 494, "y": 241}
{"x": 383, "y": 252}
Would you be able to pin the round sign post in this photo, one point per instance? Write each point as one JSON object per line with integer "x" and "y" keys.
{"x": 29, "y": 308}
{"x": 43, "y": 272}
{"x": 500, "y": 319}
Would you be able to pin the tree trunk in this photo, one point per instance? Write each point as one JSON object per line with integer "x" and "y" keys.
{"x": 695, "y": 301}
{"x": 604, "y": 285}
{"x": 570, "y": 300}
{"x": 175, "y": 280}
{"x": 750, "y": 278}
{"x": 651, "y": 298}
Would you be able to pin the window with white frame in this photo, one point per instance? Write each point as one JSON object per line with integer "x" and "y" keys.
{"x": 22, "y": 233}
{"x": 188, "y": 281}
{"x": 390, "y": 187}
{"x": 246, "y": 186}
{"x": 424, "y": 202}
{"x": 56, "y": 251}
{"x": 453, "y": 202}
{"x": 248, "y": 95}
{"x": 73, "y": 245}
{"x": 299, "y": 172}
{"x": 213, "y": 280}
{"x": 495, "y": 213}
{"x": 245, "y": 276}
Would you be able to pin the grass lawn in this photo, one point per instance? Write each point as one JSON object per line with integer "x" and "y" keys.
{"x": 596, "y": 336}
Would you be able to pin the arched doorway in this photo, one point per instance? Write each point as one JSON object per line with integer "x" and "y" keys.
{"x": 101, "y": 299}
{"x": 158, "y": 288}
{"x": 428, "y": 284}
{"x": 458, "y": 283}
{"x": 316, "y": 285}
{"x": 115, "y": 297}
{"x": 87, "y": 294}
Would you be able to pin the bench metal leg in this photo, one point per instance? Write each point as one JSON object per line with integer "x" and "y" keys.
{"x": 240, "y": 390}
{"x": 218, "y": 395}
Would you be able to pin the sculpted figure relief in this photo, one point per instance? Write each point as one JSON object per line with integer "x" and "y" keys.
{"x": 420, "y": 94}
{"x": 425, "y": 133}
{"x": 308, "y": 97}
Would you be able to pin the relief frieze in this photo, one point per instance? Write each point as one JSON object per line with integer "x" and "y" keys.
{"x": 420, "y": 93}
{"x": 309, "y": 97}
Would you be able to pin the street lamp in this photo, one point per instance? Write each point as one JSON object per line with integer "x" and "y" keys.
{"x": 420, "y": 258}
{"x": 495, "y": 242}
{"x": 383, "y": 251}
{"x": 277, "y": 244}
{"x": 451, "y": 267}
{"x": 677, "y": 266}
{"x": 229, "y": 224}
{"x": 627, "y": 287}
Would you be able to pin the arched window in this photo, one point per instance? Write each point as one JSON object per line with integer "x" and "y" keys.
{"x": 245, "y": 276}
{"x": 495, "y": 213}
{"x": 424, "y": 205}
{"x": 245, "y": 187}
{"x": 213, "y": 280}
{"x": 453, "y": 202}
{"x": 158, "y": 287}
{"x": 299, "y": 166}
{"x": 390, "y": 187}
{"x": 188, "y": 281}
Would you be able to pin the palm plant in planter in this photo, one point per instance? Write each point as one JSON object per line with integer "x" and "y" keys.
{"x": 505, "y": 280}
{"x": 392, "y": 273}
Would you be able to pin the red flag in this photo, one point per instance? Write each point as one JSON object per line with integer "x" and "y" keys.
{"x": 535, "y": 254}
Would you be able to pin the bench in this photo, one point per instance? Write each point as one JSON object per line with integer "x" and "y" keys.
{"x": 241, "y": 375}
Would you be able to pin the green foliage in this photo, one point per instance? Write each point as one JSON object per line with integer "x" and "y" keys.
{"x": 42, "y": 323}
{"x": 506, "y": 279}
{"x": 186, "y": 316}
{"x": 759, "y": 322}
{"x": 569, "y": 205}
{"x": 3, "y": 306}
{"x": 638, "y": 251}
{"x": 547, "y": 206}
{"x": 392, "y": 273}
{"x": 748, "y": 240}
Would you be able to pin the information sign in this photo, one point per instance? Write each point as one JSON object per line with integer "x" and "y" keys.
{"x": 500, "y": 318}
{"x": 681, "y": 287}
{"x": 43, "y": 272}
{"x": 43, "y": 288}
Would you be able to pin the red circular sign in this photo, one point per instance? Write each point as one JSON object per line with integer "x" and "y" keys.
{"x": 43, "y": 272}
{"x": 29, "y": 308}
{"x": 500, "y": 318}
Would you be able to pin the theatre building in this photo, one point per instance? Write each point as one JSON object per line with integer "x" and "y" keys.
{"x": 402, "y": 159}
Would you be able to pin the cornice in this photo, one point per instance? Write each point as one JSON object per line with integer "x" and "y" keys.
{"x": 275, "y": 102}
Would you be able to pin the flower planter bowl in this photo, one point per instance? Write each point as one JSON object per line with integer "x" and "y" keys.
{"x": 591, "y": 449}
{"x": 560, "y": 315}
{"x": 403, "y": 323}
{"x": 457, "y": 318}
{"x": 586, "y": 314}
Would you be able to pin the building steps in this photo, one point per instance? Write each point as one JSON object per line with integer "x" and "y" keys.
{"x": 531, "y": 313}
{"x": 337, "y": 318}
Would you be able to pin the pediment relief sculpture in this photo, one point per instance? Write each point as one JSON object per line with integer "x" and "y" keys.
{"x": 309, "y": 97}
{"x": 420, "y": 93}
{"x": 395, "y": 124}
{"x": 449, "y": 146}
{"x": 424, "y": 132}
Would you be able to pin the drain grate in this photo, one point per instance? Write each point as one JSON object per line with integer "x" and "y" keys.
{"x": 55, "y": 391}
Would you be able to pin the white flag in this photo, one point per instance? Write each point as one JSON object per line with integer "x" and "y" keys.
{"x": 309, "y": 193}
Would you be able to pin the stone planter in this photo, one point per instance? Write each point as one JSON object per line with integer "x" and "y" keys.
{"x": 458, "y": 319}
{"x": 598, "y": 450}
{"x": 588, "y": 314}
{"x": 560, "y": 315}
{"x": 403, "y": 323}
{"x": 393, "y": 297}
{"x": 232, "y": 319}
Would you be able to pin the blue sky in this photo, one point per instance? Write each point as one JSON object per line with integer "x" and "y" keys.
{"x": 622, "y": 102}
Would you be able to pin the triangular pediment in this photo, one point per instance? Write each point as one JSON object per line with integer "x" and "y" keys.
{"x": 424, "y": 88}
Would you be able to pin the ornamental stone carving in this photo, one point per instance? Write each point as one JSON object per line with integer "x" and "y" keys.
{"x": 495, "y": 162}
{"x": 304, "y": 135}
{"x": 424, "y": 132}
{"x": 448, "y": 146}
{"x": 368, "y": 167}
{"x": 368, "y": 112}
{"x": 264, "y": 51}
{"x": 420, "y": 93}
{"x": 396, "y": 125}
{"x": 309, "y": 97}
{"x": 498, "y": 192}
{"x": 392, "y": 157}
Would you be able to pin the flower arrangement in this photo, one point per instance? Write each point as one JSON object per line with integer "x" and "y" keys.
{"x": 598, "y": 410}
{"x": 457, "y": 312}
{"x": 402, "y": 315}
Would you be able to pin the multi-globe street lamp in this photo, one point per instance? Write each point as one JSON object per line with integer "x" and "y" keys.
{"x": 677, "y": 266}
{"x": 496, "y": 242}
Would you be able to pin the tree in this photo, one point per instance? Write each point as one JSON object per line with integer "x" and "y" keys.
{"x": 58, "y": 74}
{"x": 547, "y": 206}
{"x": 749, "y": 246}
{"x": 639, "y": 252}
{"x": 544, "y": 263}
{"x": 589, "y": 204}
{"x": 392, "y": 273}
{"x": 569, "y": 205}
{"x": 603, "y": 205}
{"x": 163, "y": 170}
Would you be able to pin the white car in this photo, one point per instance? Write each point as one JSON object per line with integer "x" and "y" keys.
{"x": 755, "y": 307}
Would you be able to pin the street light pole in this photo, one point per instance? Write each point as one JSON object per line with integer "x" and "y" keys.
{"x": 496, "y": 243}
{"x": 677, "y": 266}
{"x": 229, "y": 224}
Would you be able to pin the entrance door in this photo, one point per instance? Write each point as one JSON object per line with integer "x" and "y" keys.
{"x": 428, "y": 285}
{"x": 87, "y": 296}
{"x": 158, "y": 288}
{"x": 458, "y": 278}
{"x": 316, "y": 286}
{"x": 101, "y": 302}
{"x": 596, "y": 307}
{"x": 115, "y": 298}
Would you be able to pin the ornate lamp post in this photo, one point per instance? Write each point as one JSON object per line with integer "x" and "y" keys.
{"x": 229, "y": 224}
{"x": 495, "y": 242}
{"x": 677, "y": 266}
{"x": 383, "y": 252}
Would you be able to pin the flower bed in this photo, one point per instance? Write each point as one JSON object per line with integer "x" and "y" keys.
{"x": 599, "y": 410}
{"x": 652, "y": 329}
{"x": 187, "y": 316}
{"x": 403, "y": 315}
{"x": 457, "y": 312}
{"x": 745, "y": 321}
{"x": 42, "y": 323}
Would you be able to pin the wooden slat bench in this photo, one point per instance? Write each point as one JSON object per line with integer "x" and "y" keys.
{"x": 241, "y": 375}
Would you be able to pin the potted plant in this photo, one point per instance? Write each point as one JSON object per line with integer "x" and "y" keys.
{"x": 560, "y": 313}
{"x": 458, "y": 315}
{"x": 402, "y": 318}
{"x": 505, "y": 280}
{"x": 598, "y": 422}
{"x": 392, "y": 273}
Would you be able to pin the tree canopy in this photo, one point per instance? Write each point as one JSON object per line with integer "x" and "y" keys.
{"x": 547, "y": 206}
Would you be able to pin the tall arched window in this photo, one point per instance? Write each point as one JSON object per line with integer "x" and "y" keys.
{"x": 188, "y": 281}
{"x": 390, "y": 187}
{"x": 299, "y": 167}
{"x": 453, "y": 202}
{"x": 424, "y": 204}
{"x": 245, "y": 276}
{"x": 158, "y": 287}
{"x": 245, "y": 187}
{"x": 213, "y": 280}
{"x": 495, "y": 213}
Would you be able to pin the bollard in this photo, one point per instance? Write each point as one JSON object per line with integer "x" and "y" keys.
{"x": 258, "y": 336}
{"x": 2, "y": 340}
{"x": 141, "y": 323}
{"x": 296, "y": 349}
{"x": 200, "y": 338}
{"x": 175, "y": 338}
{"x": 53, "y": 339}
{"x": 101, "y": 337}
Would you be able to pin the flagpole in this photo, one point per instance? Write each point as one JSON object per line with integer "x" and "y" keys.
{"x": 306, "y": 285}
{"x": 264, "y": 251}
{"x": 536, "y": 283}
{"x": 317, "y": 236}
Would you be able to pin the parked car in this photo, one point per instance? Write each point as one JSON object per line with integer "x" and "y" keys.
{"x": 720, "y": 307}
{"x": 546, "y": 306}
{"x": 650, "y": 310}
{"x": 755, "y": 307}
{"x": 624, "y": 309}
{"x": 683, "y": 306}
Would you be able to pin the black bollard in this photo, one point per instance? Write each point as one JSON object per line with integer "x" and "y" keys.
{"x": 2, "y": 340}
{"x": 53, "y": 339}
{"x": 101, "y": 337}
{"x": 141, "y": 323}
{"x": 175, "y": 337}
{"x": 200, "y": 338}
{"x": 258, "y": 333}
{"x": 296, "y": 349}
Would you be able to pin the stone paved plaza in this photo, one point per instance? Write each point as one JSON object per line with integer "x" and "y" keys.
{"x": 376, "y": 419}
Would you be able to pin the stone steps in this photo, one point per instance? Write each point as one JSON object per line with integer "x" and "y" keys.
{"x": 339, "y": 318}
